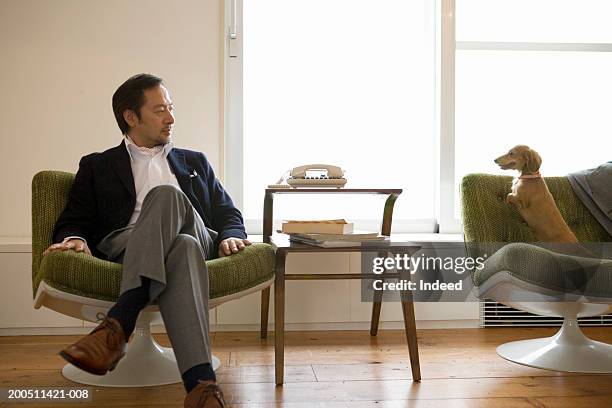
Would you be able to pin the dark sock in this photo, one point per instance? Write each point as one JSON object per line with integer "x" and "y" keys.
{"x": 201, "y": 372}
{"x": 128, "y": 306}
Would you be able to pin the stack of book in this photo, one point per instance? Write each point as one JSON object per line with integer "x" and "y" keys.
{"x": 327, "y": 233}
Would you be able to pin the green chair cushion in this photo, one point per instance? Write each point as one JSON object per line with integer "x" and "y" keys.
{"x": 87, "y": 276}
{"x": 542, "y": 267}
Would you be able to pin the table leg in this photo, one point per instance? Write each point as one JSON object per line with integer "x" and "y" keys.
{"x": 376, "y": 304}
{"x": 265, "y": 309}
{"x": 386, "y": 231}
{"x": 411, "y": 335}
{"x": 377, "y": 298}
{"x": 388, "y": 214}
{"x": 279, "y": 317}
{"x": 268, "y": 215}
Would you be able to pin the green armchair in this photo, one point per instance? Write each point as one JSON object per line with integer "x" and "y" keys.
{"x": 532, "y": 278}
{"x": 82, "y": 286}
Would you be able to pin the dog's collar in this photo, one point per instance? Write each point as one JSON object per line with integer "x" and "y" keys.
{"x": 531, "y": 176}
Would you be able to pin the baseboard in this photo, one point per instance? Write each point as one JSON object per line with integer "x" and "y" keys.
{"x": 421, "y": 324}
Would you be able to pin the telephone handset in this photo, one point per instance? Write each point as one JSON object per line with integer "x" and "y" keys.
{"x": 312, "y": 175}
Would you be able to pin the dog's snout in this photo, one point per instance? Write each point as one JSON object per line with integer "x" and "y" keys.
{"x": 495, "y": 160}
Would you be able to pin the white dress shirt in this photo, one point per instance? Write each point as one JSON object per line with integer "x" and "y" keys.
{"x": 150, "y": 168}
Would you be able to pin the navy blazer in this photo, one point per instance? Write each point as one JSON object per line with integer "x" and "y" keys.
{"x": 103, "y": 197}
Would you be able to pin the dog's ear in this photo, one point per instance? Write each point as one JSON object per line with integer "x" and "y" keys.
{"x": 533, "y": 161}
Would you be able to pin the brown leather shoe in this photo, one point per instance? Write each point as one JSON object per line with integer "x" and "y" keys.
{"x": 100, "y": 350}
{"x": 205, "y": 395}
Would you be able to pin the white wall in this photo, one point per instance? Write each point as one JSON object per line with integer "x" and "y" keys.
{"x": 61, "y": 61}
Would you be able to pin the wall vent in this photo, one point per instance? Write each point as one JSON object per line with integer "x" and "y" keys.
{"x": 494, "y": 314}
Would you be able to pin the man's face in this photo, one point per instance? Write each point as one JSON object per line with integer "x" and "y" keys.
{"x": 156, "y": 119}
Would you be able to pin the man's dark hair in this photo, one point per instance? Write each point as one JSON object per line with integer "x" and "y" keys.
{"x": 130, "y": 95}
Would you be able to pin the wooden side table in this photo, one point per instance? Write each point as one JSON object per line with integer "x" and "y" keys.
{"x": 283, "y": 247}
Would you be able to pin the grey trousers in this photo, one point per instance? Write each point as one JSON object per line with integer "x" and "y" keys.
{"x": 169, "y": 244}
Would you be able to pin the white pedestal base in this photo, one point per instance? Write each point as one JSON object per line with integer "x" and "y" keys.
{"x": 568, "y": 350}
{"x": 145, "y": 364}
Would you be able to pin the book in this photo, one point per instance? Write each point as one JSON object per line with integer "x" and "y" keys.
{"x": 353, "y": 236}
{"x": 336, "y": 240}
{"x": 332, "y": 243}
{"x": 338, "y": 226}
{"x": 323, "y": 244}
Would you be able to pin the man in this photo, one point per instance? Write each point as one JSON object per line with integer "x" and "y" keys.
{"x": 161, "y": 212}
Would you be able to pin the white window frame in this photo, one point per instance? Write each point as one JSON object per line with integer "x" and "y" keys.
{"x": 445, "y": 194}
{"x": 233, "y": 150}
{"x": 446, "y": 120}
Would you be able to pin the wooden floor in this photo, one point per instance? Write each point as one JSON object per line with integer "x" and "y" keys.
{"x": 342, "y": 369}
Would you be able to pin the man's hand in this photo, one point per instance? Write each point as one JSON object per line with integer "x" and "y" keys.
{"x": 74, "y": 244}
{"x": 232, "y": 245}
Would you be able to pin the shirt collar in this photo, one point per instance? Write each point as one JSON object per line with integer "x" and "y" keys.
{"x": 132, "y": 148}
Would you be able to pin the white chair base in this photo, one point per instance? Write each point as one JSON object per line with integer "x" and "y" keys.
{"x": 145, "y": 364}
{"x": 568, "y": 350}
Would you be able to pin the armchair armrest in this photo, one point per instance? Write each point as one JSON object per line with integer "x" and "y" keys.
{"x": 246, "y": 269}
{"x": 80, "y": 274}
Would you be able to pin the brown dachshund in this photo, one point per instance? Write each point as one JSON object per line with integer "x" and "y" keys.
{"x": 532, "y": 198}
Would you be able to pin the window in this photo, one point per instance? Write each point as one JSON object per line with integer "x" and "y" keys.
{"x": 344, "y": 82}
